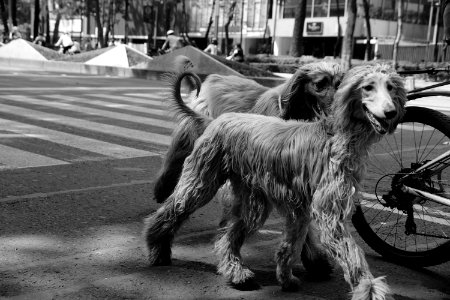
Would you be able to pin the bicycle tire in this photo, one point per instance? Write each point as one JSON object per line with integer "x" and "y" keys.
{"x": 371, "y": 231}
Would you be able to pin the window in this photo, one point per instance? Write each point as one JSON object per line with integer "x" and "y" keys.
{"x": 337, "y": 6}
{"x": 320, "y": 8}
{"x": 291, "y": 5}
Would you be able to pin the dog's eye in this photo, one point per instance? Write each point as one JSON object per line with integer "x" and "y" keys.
{"x": 368, "y": 88}
{"x": 337, "y": 84}
{"x": 321, "y": 84}
{"x": 389, "y": 87}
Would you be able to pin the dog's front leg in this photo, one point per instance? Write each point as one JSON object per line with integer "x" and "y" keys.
{"x": 330, "y": 208}
{"x": 314, "y": 256}
{"x": 296, "y": 228}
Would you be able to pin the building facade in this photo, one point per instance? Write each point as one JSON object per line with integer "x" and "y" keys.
{"x": 263, "y": 26}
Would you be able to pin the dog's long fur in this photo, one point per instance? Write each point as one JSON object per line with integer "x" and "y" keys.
{"x": 306, "y": 170}
{"x": 309, "y": 92}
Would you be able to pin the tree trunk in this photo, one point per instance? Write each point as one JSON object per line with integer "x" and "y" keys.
{"x": 210, "y": 21}
{"x": 230, "y": 18}
{"x": 108, "y": 22}
{"x": 347, "y": 45}
{"x": 185, "y": 24}
{"x": 47, "y": 24}
{"x": 126, "y": 22}
{"x": 399, "y": 33}
{"x": 13, "y": 11}
{"x": 37, "y": 14}
{"x": 297, "y": 46}
{"x": 339, "y": 33}
{"x": 4, "y": 15}
{"x": 100, "y": 40}
{"x": 368, "y": 55}
{"x": 88, "y": 17}
{"x": 56, "y": 28}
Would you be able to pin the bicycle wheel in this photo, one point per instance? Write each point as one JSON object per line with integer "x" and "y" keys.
{"x": 381, "y": 216}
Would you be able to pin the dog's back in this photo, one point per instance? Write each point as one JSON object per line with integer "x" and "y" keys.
{"x": 267, "y": 142}
{"x": 230, "y": 93}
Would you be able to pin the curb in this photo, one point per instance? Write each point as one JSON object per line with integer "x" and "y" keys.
{"x": 81, "y": 68}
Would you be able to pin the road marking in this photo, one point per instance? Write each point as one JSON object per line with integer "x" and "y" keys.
{"x": 139, "y": 135}
{"x": 125, "y": 107}
{"x": 13, "y": 199}
{"x": 75, "y": 141}
{"x": 12, "y": 158}
{"x": 159, "y": 100}
{"x": 82, "y": 88}
{"x": 427, "y": 218}
{"x": 92, "y": 111}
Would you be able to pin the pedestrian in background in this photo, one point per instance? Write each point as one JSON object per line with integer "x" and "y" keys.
{"x": 40, "y": 39}
{"x": 212, "y": 47}
{"x": 15, "y": 33}
{"x": 237, "y": 54}
{"x": 172, "y": 42}
{"x": 65, "y": 41}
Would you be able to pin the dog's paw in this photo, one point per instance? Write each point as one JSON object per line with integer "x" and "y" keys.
{"x": 319, "y": 270}
{"x": 250, "y": 284}
{"x": 162, "y": 261}
{"x": 318, "y": 266}
{"x": 159, "y": 258}
{"x": 293, "y": 285}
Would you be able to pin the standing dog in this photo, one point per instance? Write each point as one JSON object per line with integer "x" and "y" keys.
{"x": 306, "y": 170}
{"x": 308, "y": 93}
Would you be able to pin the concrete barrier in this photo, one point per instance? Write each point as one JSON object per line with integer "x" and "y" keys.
{"x": 81, "y": 68}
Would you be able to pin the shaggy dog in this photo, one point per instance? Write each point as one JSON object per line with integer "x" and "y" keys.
{"x": 306, "y": 170}
{"x": 308, "y": 93}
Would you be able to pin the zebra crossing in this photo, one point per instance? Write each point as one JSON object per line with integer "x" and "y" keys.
{"x": 56, "y": 129}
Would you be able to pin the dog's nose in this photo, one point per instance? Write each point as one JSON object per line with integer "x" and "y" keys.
{"x": 390, "y": 114}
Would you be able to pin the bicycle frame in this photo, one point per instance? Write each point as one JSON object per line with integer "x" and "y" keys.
{"x": 437, "y": 164}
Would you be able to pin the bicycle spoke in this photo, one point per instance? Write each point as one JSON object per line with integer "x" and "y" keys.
{"x": 418, "y": 140}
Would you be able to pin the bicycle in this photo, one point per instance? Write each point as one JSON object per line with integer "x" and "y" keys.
{"x": 404, "y": 211}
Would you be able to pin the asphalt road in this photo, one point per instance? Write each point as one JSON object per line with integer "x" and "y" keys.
{"x": 78, "y": 156}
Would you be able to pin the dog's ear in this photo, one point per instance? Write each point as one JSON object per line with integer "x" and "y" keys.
{"x": 293, "y": 100}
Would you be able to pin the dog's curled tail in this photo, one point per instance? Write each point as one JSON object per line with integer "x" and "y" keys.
{"x": 179, "y": 106}
{"x": 371, "y": 289}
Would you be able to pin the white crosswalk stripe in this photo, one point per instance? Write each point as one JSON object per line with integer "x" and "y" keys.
{"x": 15, "y": 158}
{"x": 104, "y": 103}
{"x": 88, "y": 144}
{"x": 92, "y": 111}
{"x": 27, "y": 119}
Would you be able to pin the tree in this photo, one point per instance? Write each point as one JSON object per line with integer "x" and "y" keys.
{"x": 109, "y": 22}
{"x": 399, "y": 33}
{"x": 297, "y": 46}
{"x": 210, "y": 21}
{"x": 4, "y": 15}
{"x": 57, "y": 11}
{"x": 99, "y": 23}
{"x": 347, "y": 45}
{"x": 368, "y": 55}
{"x": 12, "y": 7}
{"x": 37, "y": 14}
{"x": 338, "y": 40}
{"x": 227, "y": 25}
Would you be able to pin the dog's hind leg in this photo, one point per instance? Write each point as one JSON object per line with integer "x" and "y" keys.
{"x": 241, "y": 223}
{"x": 296, "y": 228}
{"x": 202, "y": 176}
{"x": 181, "y": 147}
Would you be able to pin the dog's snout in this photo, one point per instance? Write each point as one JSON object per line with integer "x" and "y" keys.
{"x": 390, "y": 114}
